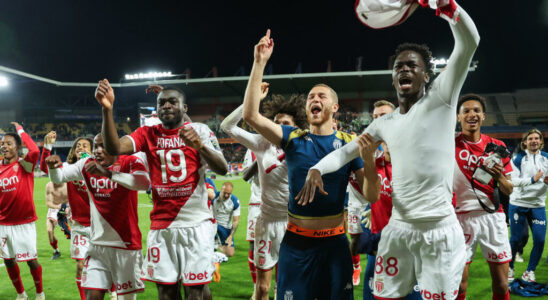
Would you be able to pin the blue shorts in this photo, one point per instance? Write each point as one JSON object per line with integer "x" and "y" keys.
{"x": 314, "y": 268}
{"x": 222, "y": 234}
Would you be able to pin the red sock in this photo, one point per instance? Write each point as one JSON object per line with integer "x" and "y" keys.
{"x": 54, "y": 244}
{"x": 276, "y": 278}
{"x": 252, "y": 268}
{"x": 15, "y": 277}
{"x": 80, "y": 289}
{"x": 502, "y": 297}
{"x": 461, "y": 296}
{"x": 37, "y": 276}
{"x": 356, "y": 261}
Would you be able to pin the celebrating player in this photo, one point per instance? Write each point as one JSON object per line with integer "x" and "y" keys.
{"x": 56, "y": 195}
{"x": 530, "y": 169}
{"x": 314, "y": 254}
{"x": 17, "y": 211}
{"x": 78, "y": 200}
{"x": 114, "y": 256}
{"x": 489, "y": 230}
{"x": 272, "y": 174}
{"x": 180, "y": 242}
{"x": 423, "y": 240}
{"x": 250, "y": 175}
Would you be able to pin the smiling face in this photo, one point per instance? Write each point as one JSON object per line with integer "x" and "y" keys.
{"x": 171, "y": 108}
{"x": 409, "y": 75}
{"x": 471, "y": 116}
{"x": 82, "y": 146}
{"x": 533, "y": 142}
{"x": 101, "y": 156}
{"x": 320, "y": 105}
{"x": 10, "y": 149}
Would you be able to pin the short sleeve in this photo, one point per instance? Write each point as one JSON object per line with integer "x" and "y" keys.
{"x": 248, "y": 159}
{"x": 136, "y": 165}
{"x": 286, "y": 137}
{"x": 207, "y": 137}
{"x": 138, "y": 137}
{"x": 236, "y": 201}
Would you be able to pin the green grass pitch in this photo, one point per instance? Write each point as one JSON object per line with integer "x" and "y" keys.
{"x": 235, "y": 282}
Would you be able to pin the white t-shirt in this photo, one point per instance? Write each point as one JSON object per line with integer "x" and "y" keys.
{"x": 421, "y": 142}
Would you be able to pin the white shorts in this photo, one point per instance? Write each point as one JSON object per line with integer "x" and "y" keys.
{"x": 253, "y": 212}
{"x": 490, "y": 232}
{"x": 80, "y": 241}
{"x": 431, "y": 254}
{"x": 181, "y": 253}
{"x": 354, "y": 219}
{"x": 18, "y": 242}
{"x": 105, "y": 266}
{"x": 268, "y": 237}
{"x": 52, "y": 214}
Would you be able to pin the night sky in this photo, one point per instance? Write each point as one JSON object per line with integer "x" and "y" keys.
{"x": 88, "y": 40}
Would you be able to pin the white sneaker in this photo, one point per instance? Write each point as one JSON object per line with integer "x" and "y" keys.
{"x": 519, "y": 258}
{"x": 529, "y": 276}
{"x": 510, "y": 274}
{"x": 22, "y": 296}
{"x": 219, "y": 257}
{"x": 41, "y": 296}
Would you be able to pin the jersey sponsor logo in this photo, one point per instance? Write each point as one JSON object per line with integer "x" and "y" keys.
{"x": 169, "y": 143}
{"x": 16, "y": 167}
{"x": 427, "y": 295}
{"x": 102, "y": 183}
{"x": 539, "y": 222}
{"x": 262, "y": 261}
{"x": 471, "y": 160}
{"x": 199, "y": 276}
{"x": 6, "y": 182}
{"x": 495, "y": 256}
{"x": 124, "y": 286}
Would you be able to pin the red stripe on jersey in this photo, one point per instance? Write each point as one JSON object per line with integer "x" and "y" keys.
{"x": 116, "y": 204}
{"x": 381, "y": 211}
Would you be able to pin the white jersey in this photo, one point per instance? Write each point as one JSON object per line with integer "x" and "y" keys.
{"x": 225, "y": 209}
{"x": 525, "y": 165}
{"x": 355, "y": 197}
{"x": 255, "y": 197}
{"x": 271, "y": 163}
{"x": 422, "y": 141}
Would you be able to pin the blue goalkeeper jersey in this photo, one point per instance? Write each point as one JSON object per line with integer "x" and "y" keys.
{"x": 302, "y": 151}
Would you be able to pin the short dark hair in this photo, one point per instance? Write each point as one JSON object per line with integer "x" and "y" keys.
{"x": 174, "y": 88}
{"x": 295, "y": 107}
{"x": 472, "y": 97}
{"x": 16, "y": 137}
{"x": 423, "y": 50}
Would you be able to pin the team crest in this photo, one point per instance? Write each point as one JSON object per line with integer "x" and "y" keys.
{"x": 337, "y": 143}
{"x": 379, "y": 286}
{"x": 150, "y": 271}
{"x": 116, "y": 168}
{"x": 288, "y": 295}
{"x": 84, "y": 276}
{"x": 262, "y": 261}
{"x": 16, "y": 167}
{"x": 76, "y": 251}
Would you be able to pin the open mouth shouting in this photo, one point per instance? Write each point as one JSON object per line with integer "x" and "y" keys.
{"x": 316, "y": 110}
{"x": 405, "y": 83}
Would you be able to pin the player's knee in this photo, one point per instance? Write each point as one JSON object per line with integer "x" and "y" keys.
{"x": 263, "y": 288}
{"x": 33, "y": 264}
{"x": 10, "y": 263}
{"x": 500, "y": 286}
{"x": 229, "y": 251}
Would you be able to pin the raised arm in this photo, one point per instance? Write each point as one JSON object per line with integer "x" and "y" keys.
{"x": 268, "y": 129}
{"x": 104, "y": 94}
{"x": 372, "y": 183}
{"x": 33, "y": 155}
{"x": 467, "y": 40}
{"x": 49, "y": 140}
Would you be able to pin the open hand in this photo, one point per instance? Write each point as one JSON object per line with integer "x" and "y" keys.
{"x": 313, "y": 181}
{"x": 104, "y": 94}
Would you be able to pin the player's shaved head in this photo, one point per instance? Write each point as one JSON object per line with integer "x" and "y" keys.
{"x": 226, "y": 190}
{"x": 171, "y": 107}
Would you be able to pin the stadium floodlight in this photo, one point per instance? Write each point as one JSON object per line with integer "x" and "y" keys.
{"x": 439, "y": 62}
{"x": 148, "y": 75}
{"x": 3, "y": 81}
